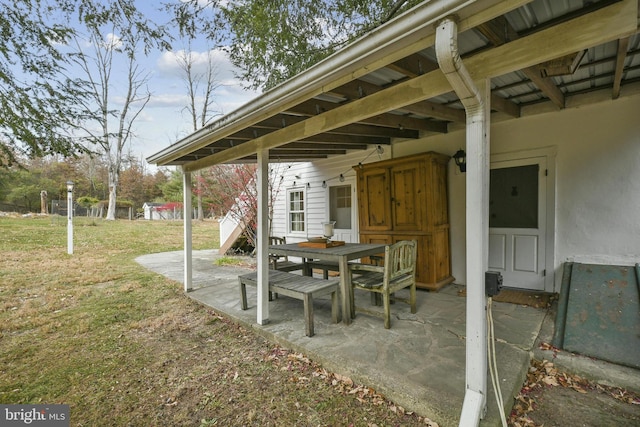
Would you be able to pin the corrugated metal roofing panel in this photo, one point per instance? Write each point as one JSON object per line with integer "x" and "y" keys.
{"x": 383, "y": 77}
{"x": 511, "y": 85}
{"x": 540, "y": 11}
{"x": 470, "y": 41}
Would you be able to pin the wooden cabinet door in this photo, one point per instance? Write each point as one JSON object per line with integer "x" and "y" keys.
{"x": 373, "y": 199}
{"x": 407, "y": 196}
{"x": 439, "y": 213}
{"x": 381, "y": 239}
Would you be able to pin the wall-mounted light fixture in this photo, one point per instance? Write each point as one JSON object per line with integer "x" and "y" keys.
{"x": 460, "y": 157}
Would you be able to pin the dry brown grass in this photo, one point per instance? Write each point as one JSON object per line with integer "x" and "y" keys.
{"x": 124, "y": 346}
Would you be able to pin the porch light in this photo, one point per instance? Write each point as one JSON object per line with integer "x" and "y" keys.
{"x": 460, "y": 157}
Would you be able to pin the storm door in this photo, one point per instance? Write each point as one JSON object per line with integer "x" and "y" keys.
{"x": 517, "y": 222}
{"x": 341, "y": 211}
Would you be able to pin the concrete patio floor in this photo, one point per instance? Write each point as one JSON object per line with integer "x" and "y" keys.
{"x": 419, "y": 363}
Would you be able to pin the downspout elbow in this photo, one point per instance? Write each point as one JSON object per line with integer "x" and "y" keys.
{"x": 454, "y": 70}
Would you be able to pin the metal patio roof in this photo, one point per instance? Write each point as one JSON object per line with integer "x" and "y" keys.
{"x": 362, "y": 95}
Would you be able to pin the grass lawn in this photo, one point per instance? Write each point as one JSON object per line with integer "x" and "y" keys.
{"x": 124, "y": 346}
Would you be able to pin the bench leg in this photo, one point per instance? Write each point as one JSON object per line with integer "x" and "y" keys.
{"x": 243, "y": 294}
{"x": 308, "y": 314}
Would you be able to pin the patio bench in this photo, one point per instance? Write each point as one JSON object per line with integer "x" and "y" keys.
{"x": 303, "y": 288}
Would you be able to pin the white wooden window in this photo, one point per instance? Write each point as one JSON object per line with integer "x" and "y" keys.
{"x": 296, "y": 210}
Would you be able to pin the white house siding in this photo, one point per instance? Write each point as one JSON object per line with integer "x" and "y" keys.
{"x": 597, "y": 180}
{"x": 317, "y": 197}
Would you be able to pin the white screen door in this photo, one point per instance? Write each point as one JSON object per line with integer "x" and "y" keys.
{"x": 517, "y": 222}
{"x": 341, "y": 211}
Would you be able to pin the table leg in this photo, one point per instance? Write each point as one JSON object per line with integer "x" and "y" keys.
{"x": 345, "y": 290}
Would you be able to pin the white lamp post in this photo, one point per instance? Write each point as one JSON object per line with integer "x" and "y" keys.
{"x": 70, "y": 217}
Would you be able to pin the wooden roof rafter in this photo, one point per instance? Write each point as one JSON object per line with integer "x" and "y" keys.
{"x": 621, "y": 56}
{"x": 498, "y": 31}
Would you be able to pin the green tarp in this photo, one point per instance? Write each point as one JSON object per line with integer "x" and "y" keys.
{"x": 599, "y": 312}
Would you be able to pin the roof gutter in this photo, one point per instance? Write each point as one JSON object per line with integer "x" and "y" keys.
{"x": 477, "y": 144}
{"x": 349, "y": 63}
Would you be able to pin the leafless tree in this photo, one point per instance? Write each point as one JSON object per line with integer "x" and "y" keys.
{"x": 200, "y": 76}
{"x": 113, "y": 85}
{"x": 111, "y": 127}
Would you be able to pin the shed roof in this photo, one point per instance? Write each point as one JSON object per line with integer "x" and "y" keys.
{"x": 539, "y": 55}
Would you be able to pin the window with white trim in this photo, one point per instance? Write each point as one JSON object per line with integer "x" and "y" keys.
{"x": 296, "y": 210}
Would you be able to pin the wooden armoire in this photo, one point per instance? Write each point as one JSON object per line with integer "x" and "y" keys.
{"x": 406, "y": 199}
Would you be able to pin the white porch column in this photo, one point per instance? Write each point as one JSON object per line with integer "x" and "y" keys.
{"x": 186, "y": 212}
{"x": 477, "y": 242}
{"x": 263, "y": 237}
{"x": 475, "y": 96}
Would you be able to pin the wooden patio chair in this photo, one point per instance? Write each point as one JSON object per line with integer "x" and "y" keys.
{"x": 398, "y": 272}
{"x": 281, "y": 262}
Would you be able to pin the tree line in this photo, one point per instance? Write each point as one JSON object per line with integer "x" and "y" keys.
{"x": 220, "y": 187}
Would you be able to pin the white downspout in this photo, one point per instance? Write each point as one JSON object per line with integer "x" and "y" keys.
{"x": 477, "y": 214}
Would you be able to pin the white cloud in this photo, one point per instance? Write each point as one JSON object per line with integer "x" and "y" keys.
{"x": 111, "y": 41}
{"x": 169, "y": 63}
{"x": 165, "y": 100}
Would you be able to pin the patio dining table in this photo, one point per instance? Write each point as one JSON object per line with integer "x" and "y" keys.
{"x": 342, "y": 255}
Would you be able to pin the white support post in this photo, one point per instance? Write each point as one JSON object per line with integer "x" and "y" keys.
{"x": 263, "y": 237}
{"x": 188, "y": 244}
{"x": 477, "y": 242}
{"x": 476, "y": 100}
